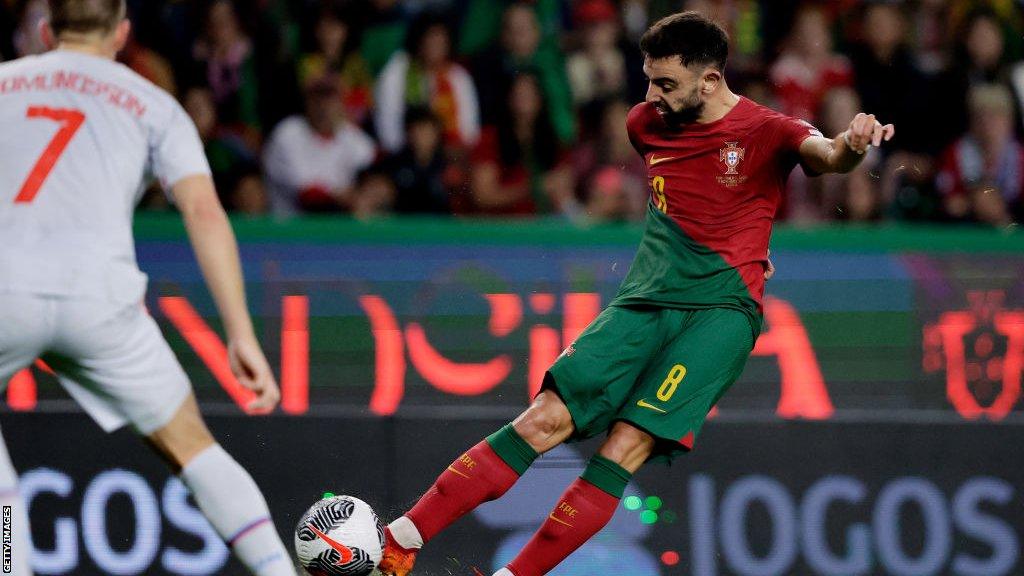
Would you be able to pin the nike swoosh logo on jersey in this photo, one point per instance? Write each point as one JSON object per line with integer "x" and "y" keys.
{"x": 655, "y": 160}
{"x": 345, "y": 551}
{"x": 643, "y": 404}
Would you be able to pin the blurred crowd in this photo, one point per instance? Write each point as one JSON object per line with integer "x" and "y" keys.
{"x": 496, "y": 107}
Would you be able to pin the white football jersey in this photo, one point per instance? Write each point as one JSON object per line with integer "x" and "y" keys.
{"x": 80, "y": 139}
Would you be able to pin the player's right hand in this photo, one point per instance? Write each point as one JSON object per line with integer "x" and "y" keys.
{"x": 250, "y": 366}
{"x": 865, "y": 131}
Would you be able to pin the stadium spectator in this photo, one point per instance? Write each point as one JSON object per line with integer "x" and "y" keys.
{"x": 979, "y": 58}
{"x": 762, "y": 92}
{"x": 888, "y": 81}
{"x": 931, "y": 38}
{"x": 743, "y": 22}
{"x": 375, "y": 194}
{"x": 982, "y": 47}
{"x": 227, "y": 152}
{"x": 149, "y": 64}
{"x": 597, "y": 71}
{"x": 521, "y": 50}
{"x": 225, "y": 55}
{"x": 424, "y": 74}
{"x": 173, "y": 31}
{"x": 884, "y": 57}
{"x": 311, "y": 161}
{"x": 610, "y": 148}
{"x": 635, "y": 16}
{"x": 480, "y": 23}
{"x": 248, "y": 194}
{"x": 252, "y": 84}
{"x": 608, "y": 199}
{"x": 808, "y": 66}
{"x": 519, "y": 167}
{"x": 333, "y": 50}
{"x": 1008, "y": 12}
{"x": 27, "y": 40}
{"x": 981, "y": 175}
{"x": 421, "y": 171}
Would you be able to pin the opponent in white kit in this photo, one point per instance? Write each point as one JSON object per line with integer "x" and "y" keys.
{"x": 80, "y": 135}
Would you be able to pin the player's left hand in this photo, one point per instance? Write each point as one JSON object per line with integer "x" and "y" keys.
{"x": 250, "y": 366}
{"x": 769, "y": 268}
{"x": 865, "y": 131}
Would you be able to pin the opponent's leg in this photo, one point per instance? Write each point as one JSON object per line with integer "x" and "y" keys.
{"x": 10, "y": 499}
{"x": 113, "y": 359}
{"x": 25, "y": 329}
{"x": 482, "y": 474}
{"x": 587, "y": 505}
{"x": 224, "y": 491}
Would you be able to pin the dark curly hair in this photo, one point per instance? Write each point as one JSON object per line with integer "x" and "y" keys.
{"x": 691, "y": 36}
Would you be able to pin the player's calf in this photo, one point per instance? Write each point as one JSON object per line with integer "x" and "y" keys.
{"x": 587, "y": 505}
{"x": 483, "y": 473}
{"x": 231, "y": 501}
{"x": 225, "y": 492}
{"x": 583, "y": 509}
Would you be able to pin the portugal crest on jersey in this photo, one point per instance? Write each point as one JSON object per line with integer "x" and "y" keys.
{"x": 731, "y": 156}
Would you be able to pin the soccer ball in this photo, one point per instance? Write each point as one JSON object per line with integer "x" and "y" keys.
{"x": 340, "y": 536}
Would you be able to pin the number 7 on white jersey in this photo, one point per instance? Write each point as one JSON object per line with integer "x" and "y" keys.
{"x": 70, "y": 120}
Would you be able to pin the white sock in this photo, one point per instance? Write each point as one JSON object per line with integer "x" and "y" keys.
{"x": 21, "y": 564}
{"x": 406, "y": 534}
{"x": 231, "y": 501}
{"x": 504, "y": 572}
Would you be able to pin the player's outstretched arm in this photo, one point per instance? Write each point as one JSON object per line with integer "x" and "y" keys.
{"x": 844, "y": 152}
{"x": 217, "y": 252}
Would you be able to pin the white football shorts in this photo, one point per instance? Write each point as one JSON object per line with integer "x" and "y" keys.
{"x": 111, "y": 358}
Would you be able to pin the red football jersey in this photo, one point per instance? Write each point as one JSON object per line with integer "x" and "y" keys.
{"x": 720, "y": 185}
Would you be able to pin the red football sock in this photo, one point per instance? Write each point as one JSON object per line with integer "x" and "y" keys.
{"x": 581, "y": 512}
{"x": 477, "y": 476}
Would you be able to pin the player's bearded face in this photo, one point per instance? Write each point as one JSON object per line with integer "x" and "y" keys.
{"x": 684, "y": 109}
{"x": 674, "y": 90}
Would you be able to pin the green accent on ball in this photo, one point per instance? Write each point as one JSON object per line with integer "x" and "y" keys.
{"x": 648, "y": 517}
{"x": 328, "y": 495}
{"x": 653, "y": 503}
{"x": 632, "y": 503}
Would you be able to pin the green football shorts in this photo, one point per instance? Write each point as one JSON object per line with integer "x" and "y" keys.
{"x": 660, "y": 369}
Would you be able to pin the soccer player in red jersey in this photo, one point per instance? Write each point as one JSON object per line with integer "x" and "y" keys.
{"x": 648, "y": 370}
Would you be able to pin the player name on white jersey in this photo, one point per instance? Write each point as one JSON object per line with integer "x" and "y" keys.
{"x": 74, "y": 82}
